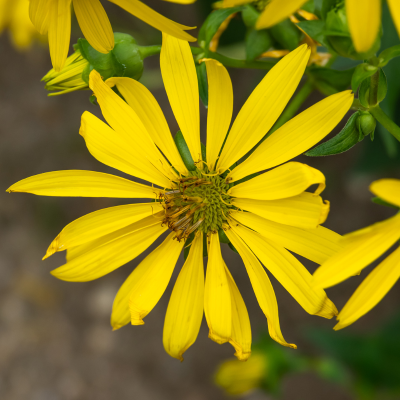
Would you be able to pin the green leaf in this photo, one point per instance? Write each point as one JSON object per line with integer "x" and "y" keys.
{"x": 286, "y": 34}
{"x": 212, "y": 23}
{"x": 362, "y": 71}
{"x": 314, "y": 29}
{"x": 309, "y": 6}
{"x": 340, "y": 80}
{"x": 184, "y": 151}
{"x": 363, "y": 94}
{"x": 201, "y": 70}
{"x": 326, "y": 6}
{"x": 381, "y": 202}
{"x": 250, "y": 16}
{"x": 389, "y": 54}
{"x": 343, "y": 141}
{"x": 257, "y": 42}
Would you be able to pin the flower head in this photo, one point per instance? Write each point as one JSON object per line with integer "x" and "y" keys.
{"x": 202, "y": 197}
{"x": 360, "y": 249}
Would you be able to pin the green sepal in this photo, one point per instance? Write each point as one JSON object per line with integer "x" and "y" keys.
{"x": 246, "y": 178}
{"x": 93, "y": 100}
{"x": 99, "y": 61}
{"x": 201, "y": 71}
{"x": 340, "y": 80}
{"x": 233, "y": 247}
{"x": 325, "y": 7}
{"x": 203, "y": 152}
{"x": 257, "y": 42}
{"x": 222, "y": 237}
{"x": 362, "y": 71}
{"x": 184, "y": 151}
{"x": 212, "y": 23}
{"x": 286, "y": 34}
{"x": 343, "y": 141}
{"x": 381, "y": 202}
{"x": 388, "y": 54}
{"x": 315, "y": 29}
{"x": 250, "y": 16}
{"x": 363, "y": 94}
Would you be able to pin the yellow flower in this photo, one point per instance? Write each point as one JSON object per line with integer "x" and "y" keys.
{"x": 54, "y": 17}
{"x": 360, "y": 249}
{"x": 201, "y": 201}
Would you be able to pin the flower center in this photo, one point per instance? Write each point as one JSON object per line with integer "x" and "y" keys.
{"x": 199, "y": 203}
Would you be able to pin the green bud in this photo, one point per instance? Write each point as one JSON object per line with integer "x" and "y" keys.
{"x": 366, "y": 124}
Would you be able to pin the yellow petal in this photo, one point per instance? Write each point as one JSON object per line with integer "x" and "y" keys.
{"x": 180, "y": 81}
{"x": 111, "y": 148}
{"x": 181, "y": 1}
{"x": 94, "y": 24}
{"x": 241, "y": 330}
{"x": 185, "y": 308}
{"x": 293, "y": 276}
{"x": 220, "y": 106}
{"x": 147, "y": 109}
{"x": 217, "y": 298}
{"x": 387, "y": 189}
{"x": 59, "y": 32}
{"x": 233, "y": 3}
{"x": 276, "y": 11}
{"x": 314, "y": 244}
{"x": 364, "y": 21}
{"x": 371, "y": 291}
{"x": 262, "y": 288}
{"x": 264, "y": 106}
{"x": 151, "y": 277}
{"x": 130, "y": 129}
{"x": 297, "y": 135}
{"x": 394, "y": 7}
{"x": 287, "y": 180}
{"x": 103, "y": 259}
{"x": 100, "y": 223}
{"x": 305, "y": 211}
{"x": 156, "y": 20}
{"x": 39, "y": 14}
{"x": 76, "y": 183}
{"x": 360, "y": 249}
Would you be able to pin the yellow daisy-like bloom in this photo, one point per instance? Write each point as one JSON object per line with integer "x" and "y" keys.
{"x": 54, "y": 17}
{"x": 361, "y": 248}
{"x": 280, "y": 215}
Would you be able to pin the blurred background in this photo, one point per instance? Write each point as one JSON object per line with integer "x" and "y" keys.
{"x": 56, "y": 342}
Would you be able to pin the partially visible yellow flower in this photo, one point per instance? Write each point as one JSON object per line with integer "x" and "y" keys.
{"x": 54, "y": 17}
{"x": 360, "y": 249}
{"x": 201, "y": 200}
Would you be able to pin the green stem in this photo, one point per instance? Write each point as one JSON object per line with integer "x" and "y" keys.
{"x": 147, "y": 51}
{"x": 373, "y": 89}
{"x": 383, "y": 119}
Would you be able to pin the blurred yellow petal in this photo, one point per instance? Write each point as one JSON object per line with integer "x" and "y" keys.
{"x": 156, "y": 20}
{"x": 180, "y": 81}
{"x": 287, "y": 180}
{"x": 233, "y": 3}
{"x": 106, "y": 258}
{"x": 94, "y": 24}
{"x": 262, "y": 288}
{"x": 360, "y": 249}
{"x": 264, "y": 106}
{"x": 314, "y": 244}
{"x": 371, "y": 291}
{"x": 76, "y": 183}
{"x": 220, "y": 106}
{"x": 151, "y": 277}
{"x": 39, "y": 14}
{"x": 305, "y": 211}
{"x": 297, "y": 135}
{"x": 181, "y": 1}
{"x": 100, "y": 223}
{"x": 147, "y": 109}
{"x": 21, "y": 28}
{"x": 387, "y": 189}
{"x": 293, "y": 276}
{"x": 185, "y": 308}
{"x": 59, "y": 32}
{"x": 217, "y": 298}
{"x": 364, "y": 20}
{"x": 276, "y": 11}
{"x": 394, "y": 7}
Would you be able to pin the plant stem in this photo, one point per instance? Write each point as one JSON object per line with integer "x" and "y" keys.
{"x": 373, "y": 89}
{"x": 382, "y": 118}
{"x": 147, "y": 51}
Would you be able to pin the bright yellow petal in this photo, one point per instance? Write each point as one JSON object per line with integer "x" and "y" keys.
{"x": 287, "y": 180}
{"x": 156, "y": 20}
{"x": 262, "y": 288}
{"x": 364, "y": 20}
{"x": 371, "y": 291}
{"x": 111, "y": 148}
{"x": 276, "y": 11}
{"x": 361, "y": 248}
{"x": 151, "y": 277}
{"x": 180, "y": 81}
{"x": 100, "y": 223}
{"x": 106, "y": 258}
{"x": 220, "y": 106}
{"x": 59, "y": 32}
{"x": 147, "y": 109}
{"x": 76, "y": 183}
{"x": 130, "y": 129}
{"x": 185, "y": 308}
{"x": 314, "y": 244}
{"x": 387, "y": 189}
{"x": 394, "y": 7}
{"x": 293, "y": 276}
{"x": 297, "y": 135}
{"x": 39, "y": 14}
{"x": 94, "y": 24}
{"x": 305, "y": 211}
{"x": 264, "y": 106}
{"x": 181, "y": 1}
{"x": 217, "y": 298}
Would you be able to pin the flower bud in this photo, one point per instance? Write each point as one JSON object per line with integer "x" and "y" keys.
{"x": 366, "y": 125}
